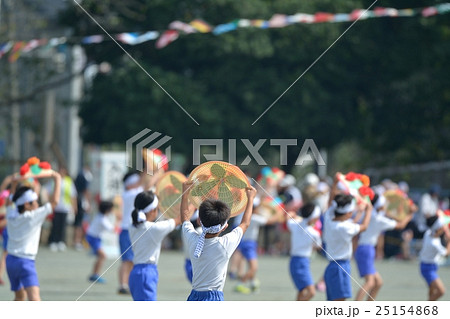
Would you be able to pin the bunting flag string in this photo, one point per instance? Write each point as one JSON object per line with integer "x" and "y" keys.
{"x": 16, "y": 48}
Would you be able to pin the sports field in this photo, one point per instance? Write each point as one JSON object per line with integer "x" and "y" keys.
{"x": 63, "y": 276}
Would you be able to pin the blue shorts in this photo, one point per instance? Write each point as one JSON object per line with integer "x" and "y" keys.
{"x": 365, "y": 259}
{"x": 249, "y": 249}
{"x": 210, "y": 295}
{"x": 5, "y": 238}
{"x": 95, "y": 243}
{"x": 338, "y": 282}
{"x": 188, "y": 269}
{"x": 143, "y": 282}
{"x": 21, "y": 272}
{"x": 125, "y": 243}
{"x": 300, "y": 272}
{"x": 429, "y": 272}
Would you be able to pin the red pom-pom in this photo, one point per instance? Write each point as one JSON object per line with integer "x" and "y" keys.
{"x": 2, "y": 201}
{"x": 156, "y": 151}
{"x": 366, "y": 191}
{"x": 351, "y": 176}
{"x": 45, "y": 165}
{"x": 24, "y": 169}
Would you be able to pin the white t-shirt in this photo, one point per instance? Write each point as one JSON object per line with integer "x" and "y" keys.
{"x": 99, "y": 224}
{"x": 128, "y": 197}
{"x": 432, "y": 249}
{"x": 337, "y": 236}
{"x": 24, "y": 231}
{"x": 146, "y": 240}
{"x": 256, "y": 222}
{"x": 378, "y": 224}
{"x": 210, "y": 269}
{"x": 303, "y": 238}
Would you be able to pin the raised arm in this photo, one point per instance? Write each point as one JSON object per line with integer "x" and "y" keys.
{"x": 54, "y": 200}
{"x": 333, "y": 190}
{"x": 366, "y": 220}
{"x": 402, "y": 224}
{"x": 13, "y": 180}
{"x": 247, "y": 217}
{"x": 8, "y": 180}
{"x": 185, "y": 214}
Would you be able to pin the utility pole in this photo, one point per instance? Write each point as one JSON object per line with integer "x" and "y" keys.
{"x": 14, "y": 145}
{"x": 74, "y": 156}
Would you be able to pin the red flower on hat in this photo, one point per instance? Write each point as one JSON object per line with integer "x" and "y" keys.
{"x": 24, "y": 169}
{"x": 351, "y": 176}
{"x": 45, "y": 165}
{"x": 366, "y": 191}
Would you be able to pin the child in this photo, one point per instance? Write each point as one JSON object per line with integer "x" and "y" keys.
{"x": 248, "y": 247}
{"x": 339, "y": 231}
{"x": 208, "y": 252}
{"x": 187, "y": 260}
{"x": 99, "y": 224}
{"x": 146, "y": 237}
{"x": 432, "y": 250}
{"x": 132, "y": 183}
{"x": 24, "y": 230}
{"x": 365, "y": 251}
{"x": 4, "y": 252}
{"x": 303, "y": 238}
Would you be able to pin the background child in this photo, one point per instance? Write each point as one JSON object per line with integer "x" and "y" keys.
{"x": 209, "y": 253}
{"x": 303, "y": 238}
{"x": 366, "y": 250}
{"x": 4, "y": 252}
{"x": 99, "y": 224}
{"x": 132, "y": 183}
{"x": 432, "y": 250}
{"x": 146, "y": 237}
{"x": 248, "y": 247}
{"x": 24, "y": 230}
{"x": 339, "y": 231}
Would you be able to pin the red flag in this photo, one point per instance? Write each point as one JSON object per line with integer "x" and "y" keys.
{"x": 16, "y": 51}
{"x": 166, "y": 38}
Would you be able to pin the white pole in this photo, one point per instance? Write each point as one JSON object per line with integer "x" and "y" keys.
{"x": 74, "y": 156}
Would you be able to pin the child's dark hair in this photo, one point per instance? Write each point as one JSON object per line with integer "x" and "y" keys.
{"x": 19, "y": 192}
{"x": 213, "y": 212}
{"x": 141, "y": 201}
{"x": 341, "y": 201}
{"x": 374, "y": 199}
{"x": 307, "y": 210}
{"x": 431, "y": 220}
{"x": 105, "y": 207}
{"x": 128, "y": 174}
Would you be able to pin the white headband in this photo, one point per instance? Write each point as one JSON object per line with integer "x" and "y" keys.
{"x": 131, "y": 180}
{"x": 141, "y": 217}
{"x": 350, "y": 207}
{"x": 153, "y": 205}
{"x": 27, "y": 197}
{"x": 315, "y": 214}
{"x": 380, "y": 202}
{"x": 207, "y": 230}
{"x": 437, "y": 224}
